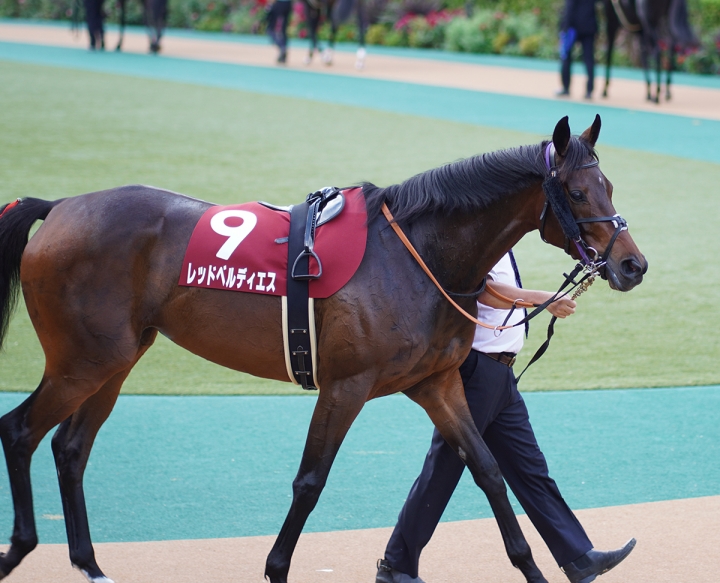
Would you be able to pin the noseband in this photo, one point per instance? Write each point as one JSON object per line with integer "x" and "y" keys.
{"x": 555, "y": 198}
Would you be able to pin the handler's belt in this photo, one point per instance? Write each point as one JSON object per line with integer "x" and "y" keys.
{"x": 298, "y": 307}
{"x": 506, "y": 358}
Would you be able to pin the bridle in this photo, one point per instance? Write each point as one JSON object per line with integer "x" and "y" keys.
{"x": 555, "y": 198}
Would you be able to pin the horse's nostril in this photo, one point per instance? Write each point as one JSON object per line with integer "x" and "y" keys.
{"x": 632, "y": 267}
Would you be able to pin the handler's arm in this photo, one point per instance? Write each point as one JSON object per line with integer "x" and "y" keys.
{"x": 560, "y": 308}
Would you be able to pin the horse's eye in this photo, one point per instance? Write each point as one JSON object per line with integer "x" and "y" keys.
{"x": 577, "y": 195}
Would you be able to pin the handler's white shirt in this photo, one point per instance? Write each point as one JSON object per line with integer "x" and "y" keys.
{"x": 510, "y": 340}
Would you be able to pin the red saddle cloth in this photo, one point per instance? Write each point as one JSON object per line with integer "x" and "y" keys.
{"x": 244, "y": 248}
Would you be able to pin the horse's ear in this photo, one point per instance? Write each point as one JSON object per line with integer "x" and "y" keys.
{"x": 591, "y": 134}
{"x": 561, "y": 136}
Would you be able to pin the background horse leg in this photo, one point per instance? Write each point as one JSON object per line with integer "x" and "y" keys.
{"x": 121, "y": 3}
{"x": 333, "y": 416}
{"x": 444, "y": 401}
{"x": 612, "y": 26}
{"x": 312, "y": 14}
{"x": 71, "y": 445}
{"x": 657, "y": 54}
{"x": 670, "y": 69}
{"x": 645, "y": 49}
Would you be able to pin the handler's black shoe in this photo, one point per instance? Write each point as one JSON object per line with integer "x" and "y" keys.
{"x": 594, "y": 563}
{"x": 386, "y": 574}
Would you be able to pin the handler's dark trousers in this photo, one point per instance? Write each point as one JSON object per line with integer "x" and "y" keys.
{"x": 502, "y": 418}
{"x": 94, "y": 19}
{"x": 588, "y": 54}
{"x": 279, "y": 13}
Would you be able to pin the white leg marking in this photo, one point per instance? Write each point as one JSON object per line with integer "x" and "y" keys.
{"x": 94, "y": 579}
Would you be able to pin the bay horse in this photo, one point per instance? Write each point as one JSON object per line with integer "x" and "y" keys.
{"x": 659, "y": 24}
{"x": 155, "y": 15}
{"x": 335, "y": 12}
{"x": 100, "y": 280}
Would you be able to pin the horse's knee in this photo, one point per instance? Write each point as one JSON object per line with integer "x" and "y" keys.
{"x": 487, "y": 476}
{"x": 307, "y": 489}
{"x": 13, "y": 432}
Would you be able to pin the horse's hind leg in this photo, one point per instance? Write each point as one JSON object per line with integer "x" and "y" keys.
{"x": 333, "y": 416}
{"x": 21, "y": 431}
{"x": 71, "y": 446}
{"x": 445, "y": 403}
{"x": 670, "y": 69}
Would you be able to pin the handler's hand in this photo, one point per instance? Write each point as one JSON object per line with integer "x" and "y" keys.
{"x": 562, "y": 308}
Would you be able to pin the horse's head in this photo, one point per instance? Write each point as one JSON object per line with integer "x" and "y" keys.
{"x": 578, "y": 213}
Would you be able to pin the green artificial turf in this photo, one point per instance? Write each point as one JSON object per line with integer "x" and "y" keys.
{"x": 65, "y": 132}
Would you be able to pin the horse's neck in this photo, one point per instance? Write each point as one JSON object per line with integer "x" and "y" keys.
{"x": 461, "y": 250}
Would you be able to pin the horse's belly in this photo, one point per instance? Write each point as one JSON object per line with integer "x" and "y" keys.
{"x": 241, "y": 331}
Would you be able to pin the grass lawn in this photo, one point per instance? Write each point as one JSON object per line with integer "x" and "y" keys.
{"x": 66, "y": 132}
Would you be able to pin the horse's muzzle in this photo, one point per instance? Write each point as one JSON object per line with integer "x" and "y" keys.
{"x": 625, "y": 275}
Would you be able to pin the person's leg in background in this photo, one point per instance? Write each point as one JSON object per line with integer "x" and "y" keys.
{"x": 588, "y": 52}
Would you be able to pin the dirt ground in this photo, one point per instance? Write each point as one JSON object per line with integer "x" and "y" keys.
{"x": 677, "y": 543}
{"x": 677, "y": 540}
{"x": 695, "y": 102}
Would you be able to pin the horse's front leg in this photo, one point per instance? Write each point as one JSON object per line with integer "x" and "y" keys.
{"x": 334, "y": 413}
{"x": 658, "y": 72}
{"x": 444, "y": 401}
{"x": 121, "y": 4}
{"x": 645, "y": 49}
{"x": 612, "y": 28}
{"x": 670, "y": 69}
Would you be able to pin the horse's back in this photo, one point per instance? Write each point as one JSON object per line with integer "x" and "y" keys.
{"x": 102, "y": 229}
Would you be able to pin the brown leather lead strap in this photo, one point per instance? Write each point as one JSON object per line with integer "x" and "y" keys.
{"x": 416, "y": 255}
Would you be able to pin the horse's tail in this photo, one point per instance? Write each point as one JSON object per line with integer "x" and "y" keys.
{"x": 680, "y": 29}
{"x": 342, "y": 10}
{"x": 16, "y": 219}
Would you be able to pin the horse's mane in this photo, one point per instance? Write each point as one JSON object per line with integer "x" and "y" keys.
{"x": 470, "y": 184}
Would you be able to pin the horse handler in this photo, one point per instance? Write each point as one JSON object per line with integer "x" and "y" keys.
{"x": 278, "y": 18}
{"x": 502, "y": 419}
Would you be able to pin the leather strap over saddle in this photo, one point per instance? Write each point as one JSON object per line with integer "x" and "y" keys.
{"x": 319, "y": 207}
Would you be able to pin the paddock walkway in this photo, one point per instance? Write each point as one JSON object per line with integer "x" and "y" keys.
{"x": 197, "y": 469}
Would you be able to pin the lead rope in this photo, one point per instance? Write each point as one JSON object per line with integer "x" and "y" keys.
{"x": 515, "y": 303}
{"x": 583, "y": 284}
